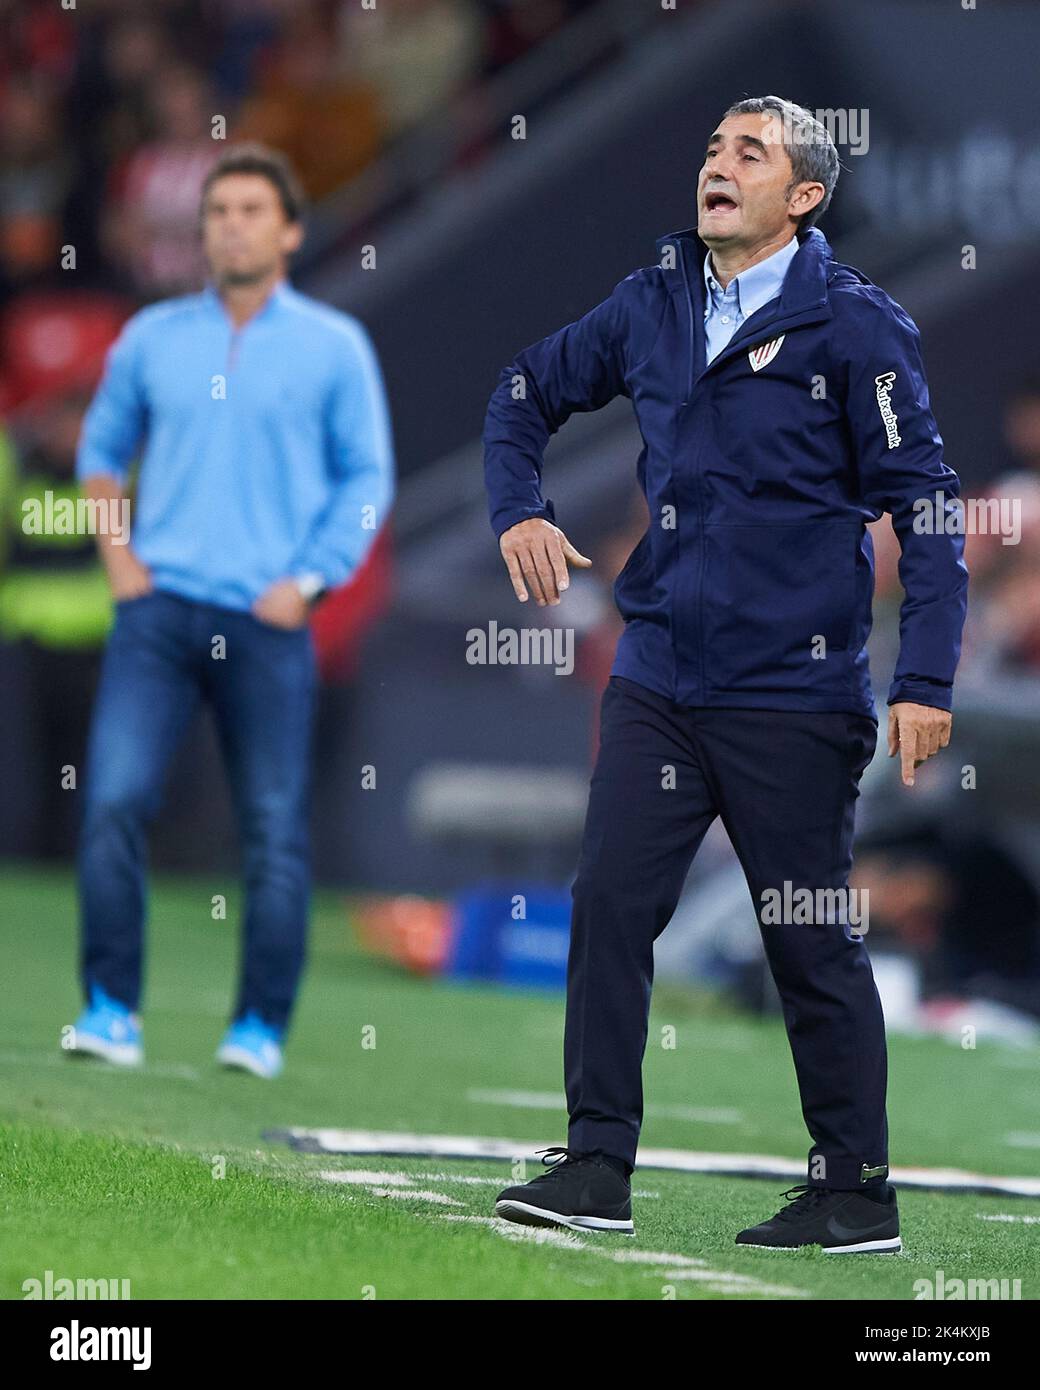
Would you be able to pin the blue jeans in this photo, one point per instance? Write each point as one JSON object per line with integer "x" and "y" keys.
{"x": 162, "y": 661}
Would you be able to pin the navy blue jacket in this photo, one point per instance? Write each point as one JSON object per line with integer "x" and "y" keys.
{"x": 753, "y": 584}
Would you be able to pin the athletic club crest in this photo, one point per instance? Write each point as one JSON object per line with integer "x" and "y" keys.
{"x": 765, "y": 352}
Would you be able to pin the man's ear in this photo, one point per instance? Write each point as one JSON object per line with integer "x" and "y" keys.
{"x": 804, "y": 198}
{"x": 292, "y": 238}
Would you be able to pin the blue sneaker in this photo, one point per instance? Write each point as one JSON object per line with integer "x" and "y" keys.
{"x": 252, "y": 1045}
{"x": 106, "y": 1029}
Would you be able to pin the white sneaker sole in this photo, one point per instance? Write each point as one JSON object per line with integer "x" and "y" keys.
{"x": 119, "y": 1054}
{"x": 526, "y": 1215}
{"x": 867, "y": 1247}
{"x": 241, "y": 1060}
{"x": 892, "y": 1246}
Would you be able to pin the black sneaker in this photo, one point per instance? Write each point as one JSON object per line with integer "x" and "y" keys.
{"x": 579, "y": 1190}
{"x": 843, "y": 1223}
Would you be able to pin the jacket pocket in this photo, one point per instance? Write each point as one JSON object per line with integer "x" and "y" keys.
{"x": 778, "y": 605}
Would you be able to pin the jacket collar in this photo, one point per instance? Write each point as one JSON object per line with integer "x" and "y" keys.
{"x": 805, "y": 285}
{"x": 279, "y": 295}
{"x": 757, "y": 285}
{"x": 803, "y": 298}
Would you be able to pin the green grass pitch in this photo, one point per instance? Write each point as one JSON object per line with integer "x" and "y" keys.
{"x": 110, "y": 1174}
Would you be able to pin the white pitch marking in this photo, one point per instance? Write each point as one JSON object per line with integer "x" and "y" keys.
{"x": 1022, "y": 1139}
{"x": 725, "y": 1282}
{"x": 410, "y": 1194}
{"x": 502, "y": 1182}
{"x": 363, "y": 1141}
{"x": 1006, "y": 1216}
{"x": 465, "y": 1178}
{"x": 697, "y": 1114}
{"x": 537, "y": 1235}
{"x": 652, "y": 1257}
{"x": 177, "y": 1071}
{"x": 765, "y": 1290}
{"x": 366, "y": 1179}
{"x": 664, "y": 1264}
{"x": 362, "y": 1178}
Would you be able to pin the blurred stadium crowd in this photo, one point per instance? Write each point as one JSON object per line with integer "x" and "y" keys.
{"x": 110, "y": 116}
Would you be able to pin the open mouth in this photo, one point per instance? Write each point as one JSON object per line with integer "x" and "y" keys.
{"x": 719, "y": 202}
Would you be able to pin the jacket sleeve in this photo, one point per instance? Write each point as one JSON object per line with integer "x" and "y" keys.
{"x": 899, "y": 453}
{"x": 579, "y": 368}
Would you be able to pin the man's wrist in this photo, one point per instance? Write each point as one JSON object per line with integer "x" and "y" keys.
{"x": 311, "y": 585}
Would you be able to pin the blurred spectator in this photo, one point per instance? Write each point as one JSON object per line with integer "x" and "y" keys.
{"x": 1022, "y": 424}
{"x": 1004, "y": 636}
{"x": 314, "y": 108}
{"x": 152, "y": 222}
{"x": 53, "y": 342}
{"x": 416, "y": 53}
{"x": 35, "y": 177}
{"x": 54, "y": 601}
{"x": 1003, "y": 631}
{"x": 54, "y": 613}
{"x": 36, "y": 37}
{"x": 962, "y": 908}
{"x": 516, "y": 26}
{"x": 243, "y": 30}
{"x": 600, "y": 637}
{"x": 134, "y": 55}
{"x": 106, "y": 111}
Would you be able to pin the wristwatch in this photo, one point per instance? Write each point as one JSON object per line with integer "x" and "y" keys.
{"x": 311, "y": 586}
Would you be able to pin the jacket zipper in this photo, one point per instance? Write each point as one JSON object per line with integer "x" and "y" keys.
{"x": 689, "y": 307}
{"x": 793, "y": 320}
{"x": 688, "y": 403}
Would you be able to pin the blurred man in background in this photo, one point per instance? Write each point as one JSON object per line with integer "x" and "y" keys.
{"x": 266, "y": 473}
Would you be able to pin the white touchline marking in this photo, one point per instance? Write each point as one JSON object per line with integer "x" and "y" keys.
{"x": 362, "y": 1177}
{"x": 762, "y": 1290}
{"x": 176, "y": 1071}
{"x": 549, "y": 1100}
{"x": 410, "y": 1194}
{"x": 727, "y": 1283}
{"x": 703, "y": 1276}
{"x": 737, "y": 1165}
{"x": 1022, "y": 1139}
{"x": 465, "y": 1178}
{"x": 651, "y": 1257}
{"x": 524, "y": 1100}
{"x": 666, "y": 1266}
{"x": 1006, "y": 1216}
{"x": 698, "y": 1114}
{"x": 537, "y": 1235}
{"x": 365, "y": 1179}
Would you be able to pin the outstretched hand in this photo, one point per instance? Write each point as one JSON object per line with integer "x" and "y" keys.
{"x": 536, "y": 554}
{"x": 916, "y": 733}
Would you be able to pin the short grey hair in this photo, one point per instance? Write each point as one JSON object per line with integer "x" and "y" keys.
{"x": 812, "y": 152}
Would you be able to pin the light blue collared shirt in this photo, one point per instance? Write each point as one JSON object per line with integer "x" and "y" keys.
{"x": 267, "y": 448}
{"x": 726, "y": 309}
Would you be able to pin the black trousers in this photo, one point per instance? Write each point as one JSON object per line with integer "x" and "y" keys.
{"x": 785, "y": 785}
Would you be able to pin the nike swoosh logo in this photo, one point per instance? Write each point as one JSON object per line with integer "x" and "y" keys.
{"x": 841, "y": 1232}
